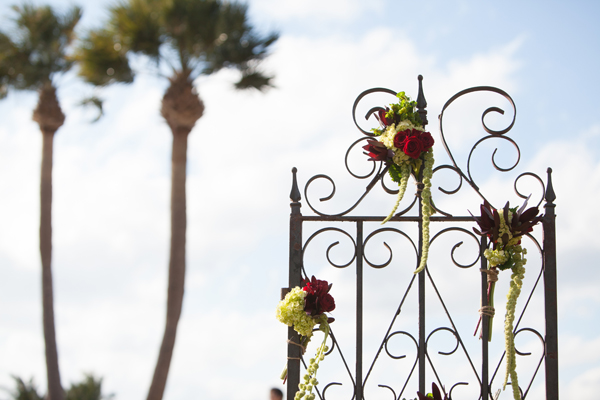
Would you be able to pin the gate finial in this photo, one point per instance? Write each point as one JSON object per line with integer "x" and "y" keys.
{"x": 421, "y": 102}
{"x": 295, "y": 194}
{"x": 549, "y": 195}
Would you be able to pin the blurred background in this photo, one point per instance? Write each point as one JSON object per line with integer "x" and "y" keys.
{"x": 112, "y": 184}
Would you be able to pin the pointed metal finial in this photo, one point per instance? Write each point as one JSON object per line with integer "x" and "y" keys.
{"x": 550, "y": 196}
{"x": 295, "y": 194}
{"x": 421, "y": 102}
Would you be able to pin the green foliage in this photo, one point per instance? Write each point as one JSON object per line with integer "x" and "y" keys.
{"x": 89, "y": 388}
{"x": 191, "y": 36}
{"x": 254, "y": 80}
{"x": 395, "y": 172}
{"x": 102, "y": 60}
{"x": 25, "y": 390}
{"x": 95, "y": 102}
{"x": 36, "y": 49}
{"x": 404, "y": 110}
{"x": 136, "y": 26}
{"x": 192, "y": 28}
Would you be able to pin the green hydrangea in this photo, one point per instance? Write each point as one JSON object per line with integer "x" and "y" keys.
{"x": 496, "y": 257}
{"x": 290, "y": 311}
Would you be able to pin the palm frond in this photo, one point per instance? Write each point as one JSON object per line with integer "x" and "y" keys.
{"x": 254, "y": 80}
{"x": 25, "y": 390}
{"x": 36, "y": 48}
{"x": 96, "y": 102}
{"x": 88, "y": 389}
{"x": 243, "y": 45}
{"x": 137, "y": 26}
{"x": 192, "y": 27}
{"x": 102, "y": 59}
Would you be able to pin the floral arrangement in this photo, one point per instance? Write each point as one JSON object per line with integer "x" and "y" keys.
{"x": 505, "y": 229}
{"x": 405, "y": 147}
{"x": 304, "y": 308}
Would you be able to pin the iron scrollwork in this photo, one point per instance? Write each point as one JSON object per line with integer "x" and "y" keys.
{"x": 364, "y": 232}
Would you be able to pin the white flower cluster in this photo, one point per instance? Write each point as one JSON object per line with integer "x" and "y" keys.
{"x": 291, "y": 312}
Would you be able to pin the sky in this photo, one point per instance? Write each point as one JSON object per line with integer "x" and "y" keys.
{"x": 112, "y": 180}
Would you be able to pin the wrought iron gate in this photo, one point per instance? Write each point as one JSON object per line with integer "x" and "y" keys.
{"x": 483, "y": 374}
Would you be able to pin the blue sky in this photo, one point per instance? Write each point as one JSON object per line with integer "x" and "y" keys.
{"x": 112, "y": 182}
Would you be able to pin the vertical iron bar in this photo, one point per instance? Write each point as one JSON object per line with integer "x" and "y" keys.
{"x": 550, "y": 297}
{"x": 359, "y": 309}
{"x": 421, "y": 305}
{"x": 485, "y": 325}
{"x": 295, "y": 277}
{"x": 421, "y": 105}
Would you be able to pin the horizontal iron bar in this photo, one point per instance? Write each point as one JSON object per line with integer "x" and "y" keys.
{"x": 379, "y": 219}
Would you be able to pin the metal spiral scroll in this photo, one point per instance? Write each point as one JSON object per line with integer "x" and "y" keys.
{"x": 378, "y": 170}
{"x": 391, "y": 253}
{"x": 448, "y": 353}
{"x": 493, "y": 135}
{"x": 457, "y": 245}
{"x": 331, "y": 229}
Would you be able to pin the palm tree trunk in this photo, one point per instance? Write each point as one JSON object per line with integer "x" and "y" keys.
{"x": 49, "y": 117}
{"x": 176, "y": 262}
{"x": 55, "y": 391}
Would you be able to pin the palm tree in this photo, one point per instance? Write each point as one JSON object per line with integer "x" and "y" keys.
{"x": 188, "y": 38}
{"x": 32, "y": 58}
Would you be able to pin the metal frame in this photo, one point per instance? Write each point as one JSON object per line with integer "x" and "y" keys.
{"x": 486, "y": 372}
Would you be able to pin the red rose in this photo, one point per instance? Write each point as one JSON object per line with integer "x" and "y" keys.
{"x": 426, "y": 140}
{"x": 412, "y": 147}
{"x": 400, "y": 138}
{"x": 376, "y": 151}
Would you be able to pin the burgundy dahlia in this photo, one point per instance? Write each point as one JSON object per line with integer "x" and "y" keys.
{"x": 318, "y": 300}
